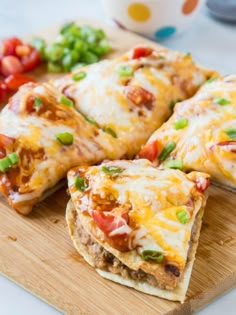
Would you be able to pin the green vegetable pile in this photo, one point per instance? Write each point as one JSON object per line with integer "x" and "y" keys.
{"x": 75, "y": 47}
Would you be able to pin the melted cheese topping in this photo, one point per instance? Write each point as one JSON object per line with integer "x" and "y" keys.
{"x": 202, "y": 144}
{"x": 155, "y": 196}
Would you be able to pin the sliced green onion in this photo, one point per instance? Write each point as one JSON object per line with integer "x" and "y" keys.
{"x": 155, "y": 255}
{"x": 65, "y": 138}
{"x": 5, "y": 163}
{"x": 79, "y": 76}
{"x": 167, "y": 150}
{"x": 89, "y": 57}
{"x": 176, "y": 164}
{"x": 221, "y": 101}
{"x": 65, "y": 101}
{"x": 110, "y": 131}
{"x": 90, "y": 120}
{"x": 182, "y": 216}
{"x": 13, "y": 158}
{"x": 181, "y": 123}
{"x": 125, "y": 71}
{"x": 111, "y": 170}
{"x": 212, "y": 79}
{"x": 66, "y": 27}
{"x": 37, "y": 103}
{"x": 231, "y": 133}
{"x": 81, "y": 183}
{"x": 39, "y": 44}
{"x": 54, "y": 52}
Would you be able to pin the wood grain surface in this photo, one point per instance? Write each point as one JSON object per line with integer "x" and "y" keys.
{"x": 37, "y": 253}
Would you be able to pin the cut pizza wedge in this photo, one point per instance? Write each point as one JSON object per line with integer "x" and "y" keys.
{"x": 129, "y": 97}
{"x": 137, "y": 225}
{"x": 201, "y": 134}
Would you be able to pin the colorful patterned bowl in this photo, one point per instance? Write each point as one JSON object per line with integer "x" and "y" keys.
{"x": 154, "y": 18}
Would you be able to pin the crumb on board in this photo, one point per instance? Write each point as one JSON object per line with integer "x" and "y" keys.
{"x": 226, "y": 240}
{"x": 12, "y": 238}
{"x": 54, "y": 220}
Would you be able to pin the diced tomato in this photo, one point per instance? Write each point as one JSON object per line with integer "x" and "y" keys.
{"x": 231, "y": 145}
{"x": 141, "y": 52}
{"x": 9, "y": 45}
{"x": 110, "y": 221}
{"x": 23, "y": 50}
{"x": 14, "y": 81}
{"x": 3, "y": 91}
{"x": 31, "y": 61}
{"x": 149, "y": 151}
{"x": 11, "y": 65}
{"x": 202, "y": 183}
{"x": 139, "y": 96}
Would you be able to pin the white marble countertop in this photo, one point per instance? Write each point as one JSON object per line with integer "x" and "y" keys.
{"x": 211, "y": 43}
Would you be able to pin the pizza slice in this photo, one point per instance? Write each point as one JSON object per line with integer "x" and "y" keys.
{"x": 137, "y": 225}
{"x": 201, "y": 134}
{"x": 129, "y": 97}
{"x": 41, "y": 137}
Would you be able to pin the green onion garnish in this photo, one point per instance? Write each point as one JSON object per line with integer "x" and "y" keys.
{"x": 155, "y": 255}
{"x": 65, "y": 138}
{"x": 111, "y": 170}
{"x": 110, "y": 131}
{"x": 79, "y": 76}
{"x": 182, "y": 216}
{"x": 181, "y": 123}
{"x": 90, "y": 120}
{"x": 65, "y": 101}
{"x": 176, "y": 164}
{"x": 221, "y": 101}
{"x": 37, "y": 103}
{"x": 125, "y": 71}
{"x": 13, "y": 158}
{"x": 81, "y": 183}
{"x": 212, "y": 79}
{"x": 8, "y": 161}
{"x": 167, "y": 150}
{"x": 231, "y": 132}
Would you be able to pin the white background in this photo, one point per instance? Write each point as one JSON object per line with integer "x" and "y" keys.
{"x": 211, "y": 43}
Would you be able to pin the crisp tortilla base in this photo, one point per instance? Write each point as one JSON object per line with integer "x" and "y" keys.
{"x": 177, "y": 294}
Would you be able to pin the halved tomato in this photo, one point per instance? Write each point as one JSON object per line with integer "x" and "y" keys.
{"x": 14, "y": 81}
{"x": 31, "y": 61}
{"x": 11, "y": 65}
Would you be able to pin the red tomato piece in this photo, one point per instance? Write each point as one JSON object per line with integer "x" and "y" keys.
{"x": 231, "y": 145}
{"x": 202, "y": 183}
{"x": 149, "y": 151}
{"x": 110, "y": 221}
{"x": 14, "y": 81}
{"x": 31, "y": 61}
{"x": 11, "y": 65}
{"x": 139, "y": 96}
{"x": 3, "y": 91}
{"x": 23, "y": 50}
{"x": 9, "y": 45}
{"x": 141, "y": 52}
{"x": 5, "y": 142}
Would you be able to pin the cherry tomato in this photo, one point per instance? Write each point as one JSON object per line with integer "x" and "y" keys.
{"x": 8, "y": 47}
{"x": 14, "y": 81}
{"x": 149, "y": 151}
{"x": 31, "y": 61}
{"x": 141, "y": 52}
{"x": 3, "y": 91}
{"x": 11, "y": 65}
{"x": 23, "y": 50}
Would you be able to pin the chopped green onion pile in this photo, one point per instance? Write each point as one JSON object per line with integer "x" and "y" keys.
{"x": 8, "y": 161}
{"x": 75, "y": 46}
{"x": 81, "y": 183}
{"x": 154, "y": 255}
{"x": 111, "y": 170}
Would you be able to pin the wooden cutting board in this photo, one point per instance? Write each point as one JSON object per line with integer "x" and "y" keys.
{"x": 37, "y": 253}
